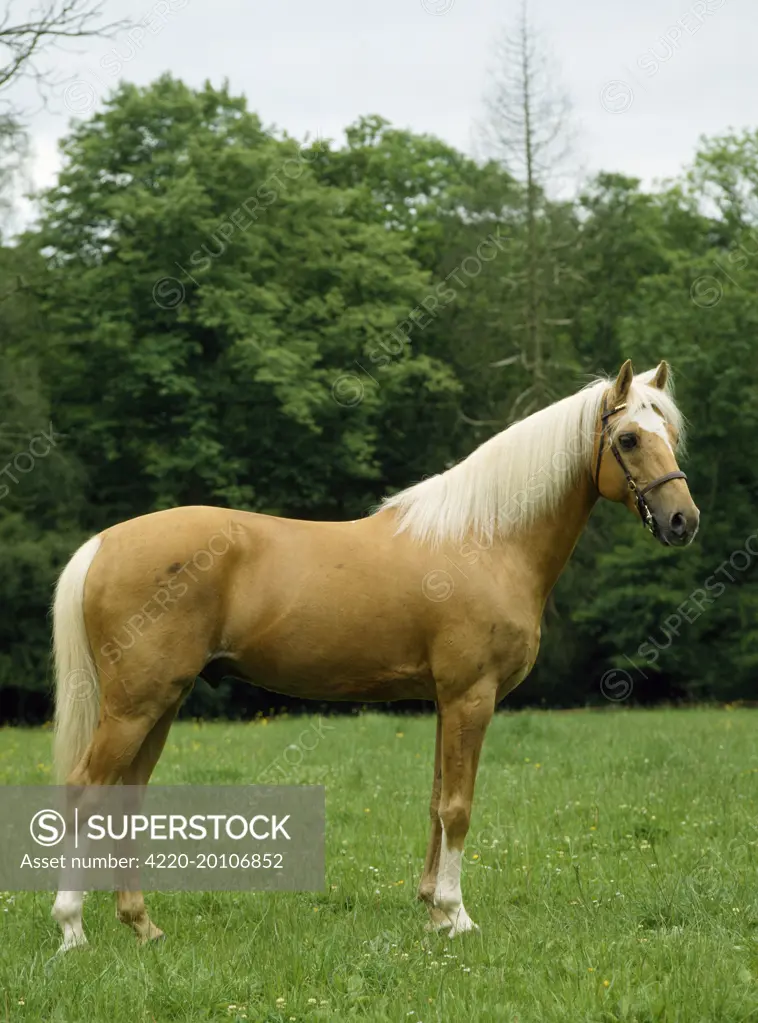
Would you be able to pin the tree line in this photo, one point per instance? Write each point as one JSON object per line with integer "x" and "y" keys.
{"x": 206, "y": 311}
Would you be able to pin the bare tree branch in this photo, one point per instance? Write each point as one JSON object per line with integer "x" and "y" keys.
{"x": 527, "y": 129}
{"x": 48, "y": 23}
{"x": 528, "y": 115}
{"x": 22, "y": 40}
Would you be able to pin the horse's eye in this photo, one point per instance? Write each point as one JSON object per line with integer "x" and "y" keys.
{"x": 627, "y": 441}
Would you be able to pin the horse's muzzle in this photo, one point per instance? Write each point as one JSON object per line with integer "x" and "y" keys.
{"x": 680, "y": 529}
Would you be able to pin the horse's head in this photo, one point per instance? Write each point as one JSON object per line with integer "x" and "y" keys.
{"x": 638, "y": 433}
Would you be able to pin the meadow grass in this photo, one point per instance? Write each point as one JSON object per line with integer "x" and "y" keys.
{"x": 612, "y": 864}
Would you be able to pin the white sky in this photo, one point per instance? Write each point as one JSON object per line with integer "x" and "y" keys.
{"x": 314, "y": 67}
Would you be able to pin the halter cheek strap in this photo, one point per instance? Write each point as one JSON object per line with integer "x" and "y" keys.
{"x": 648, "y": 520}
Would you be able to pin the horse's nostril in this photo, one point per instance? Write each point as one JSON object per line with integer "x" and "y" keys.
{"x": 678, "y": 524}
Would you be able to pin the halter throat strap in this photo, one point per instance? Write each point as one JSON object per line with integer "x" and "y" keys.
{"x": 648, "y": 520}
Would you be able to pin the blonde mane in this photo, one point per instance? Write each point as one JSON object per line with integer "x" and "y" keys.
{"x": 522, "y": 473}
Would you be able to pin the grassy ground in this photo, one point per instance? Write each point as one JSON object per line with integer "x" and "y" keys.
{"x": 612, "y": 866}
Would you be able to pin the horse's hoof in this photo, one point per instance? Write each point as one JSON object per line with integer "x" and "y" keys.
{"x": 464, "y": 925}
{"x": 438, "y": 923}
{"x": 457, "y": 931}
{"x": 62, "y": 950}
{"x": 455, "y": 922}
{"x": 438, "y": 920}
{"x": 437, "y": 928}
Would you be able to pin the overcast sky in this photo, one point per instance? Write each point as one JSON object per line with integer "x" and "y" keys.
{"x": 646, "y": 78}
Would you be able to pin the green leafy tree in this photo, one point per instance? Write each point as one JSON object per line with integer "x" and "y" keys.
{"x": 227, "y": 290}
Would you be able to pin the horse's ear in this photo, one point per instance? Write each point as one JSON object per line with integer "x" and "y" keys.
{"x": 661, "y": 376}
{"x": 623, "y": 382}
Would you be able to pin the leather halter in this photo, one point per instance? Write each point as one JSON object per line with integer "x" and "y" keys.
{"x": 648, "y": 520}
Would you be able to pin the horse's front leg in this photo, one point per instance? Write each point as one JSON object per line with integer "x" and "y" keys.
{"x": 428, "y": 883}
{"x": 464, "y": 724}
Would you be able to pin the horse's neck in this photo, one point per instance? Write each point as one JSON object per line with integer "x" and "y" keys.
{"x": 549, "y": 542}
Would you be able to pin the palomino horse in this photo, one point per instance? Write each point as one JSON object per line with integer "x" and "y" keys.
{"x": 374, "y": 609}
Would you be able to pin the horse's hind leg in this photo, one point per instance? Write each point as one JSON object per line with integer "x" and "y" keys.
{"x": 67, "y": 909}
{"x": 124, "y": 725}
{"x": 130, "y": 905}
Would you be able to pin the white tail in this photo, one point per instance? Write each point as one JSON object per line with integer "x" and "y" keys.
{"x": 77, "y": 692}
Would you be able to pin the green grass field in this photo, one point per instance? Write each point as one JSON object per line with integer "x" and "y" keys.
{"x": 612, "y": 865}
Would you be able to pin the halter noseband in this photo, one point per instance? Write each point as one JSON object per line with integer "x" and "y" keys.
{"x": 648, "y": 521}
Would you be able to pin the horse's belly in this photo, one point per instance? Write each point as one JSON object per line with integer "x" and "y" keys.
{"x": 353, "y": 672}
{"x": 340, "y": 689}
